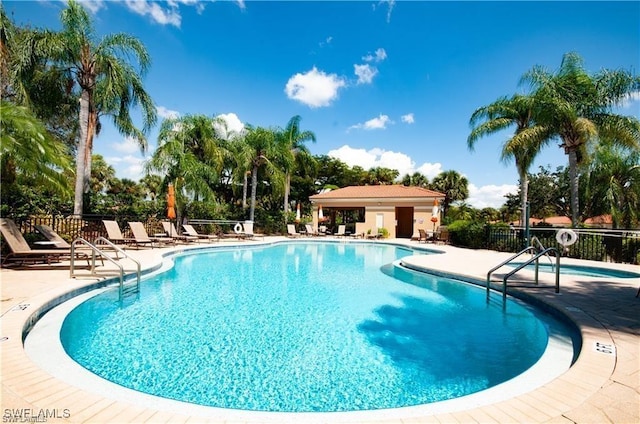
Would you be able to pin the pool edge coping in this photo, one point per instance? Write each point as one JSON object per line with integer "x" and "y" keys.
{"x": 592, "y": 331}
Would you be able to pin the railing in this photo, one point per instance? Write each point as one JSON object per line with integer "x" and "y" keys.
{"x": 538, "y": 254}
{"x": 122, "y": 289}
{"x": 535, "y": 242}
{"x": 593, "y": 244}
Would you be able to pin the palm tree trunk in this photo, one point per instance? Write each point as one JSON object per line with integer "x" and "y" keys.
{"x": 244, "y": 191}
{"x": 524, "y": 196}
{"x": 287, "y": 189}
{"x": 81, "y": 153}
{"x": 573, "y": 181}
{"x": 254, "y": 191}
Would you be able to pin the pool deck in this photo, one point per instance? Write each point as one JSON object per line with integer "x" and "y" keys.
{"x": 603, "y": 386}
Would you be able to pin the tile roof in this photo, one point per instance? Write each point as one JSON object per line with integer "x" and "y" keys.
{"x": 377, "y": 191}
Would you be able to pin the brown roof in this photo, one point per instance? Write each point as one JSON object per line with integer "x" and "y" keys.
{"x": 377, "y": 191}
{"x": 600, "y": 219}
{"x": 557, "y": 220}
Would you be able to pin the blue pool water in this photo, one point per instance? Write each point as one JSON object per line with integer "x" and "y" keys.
{"x": 304, "y": 327}
{"x": 581, "y": 270}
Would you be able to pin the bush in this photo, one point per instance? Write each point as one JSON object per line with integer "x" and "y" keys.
{"x": 468, "y": 234}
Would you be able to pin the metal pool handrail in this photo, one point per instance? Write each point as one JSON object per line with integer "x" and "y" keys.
{"x": 96, "y": 251}
{"x": 535, "y": 258}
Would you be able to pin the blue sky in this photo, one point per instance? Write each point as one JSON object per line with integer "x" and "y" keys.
{"x": 380, "y": 83}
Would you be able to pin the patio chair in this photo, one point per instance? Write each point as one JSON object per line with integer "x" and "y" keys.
{"x": 442, "y": 235}
{"x": 114, "y": 235}
{"x": 190, "y": 231}
{"x": 171, "y": 232}
{"x": 247, "y": 232}
{"x": 423, "y": 235}
{"x": 54, "y": 238}
{"x": 141, "y": 237}
{"x": 310, "y": 231}
{"x": 291, "y": 231}
{"x": 341, "y": 231}
{"x": 22, "y": 252}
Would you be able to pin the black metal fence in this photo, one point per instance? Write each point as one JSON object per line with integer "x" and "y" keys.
{"x": 622, "y": 246}
{"x": 88, "y": 227}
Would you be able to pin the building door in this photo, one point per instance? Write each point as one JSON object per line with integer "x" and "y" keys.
{"x": 404, "y": 219}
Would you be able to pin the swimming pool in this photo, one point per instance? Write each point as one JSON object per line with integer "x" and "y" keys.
{"x": 329, "y": 331}
{"x": 582, "y": 270}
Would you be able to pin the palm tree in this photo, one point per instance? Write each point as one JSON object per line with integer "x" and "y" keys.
{"x": 502, "y": 114}
{"x": 107, "y": 81}
{"x": 453, "y": 185}
{"x": 265, "y": 151}
{"x": 189, "y": 155}
{"x": 27, "y": 148}
{"x": 612, "y": 185}
{"x": 293, "y": 140}
{"x": 577, "y": 107}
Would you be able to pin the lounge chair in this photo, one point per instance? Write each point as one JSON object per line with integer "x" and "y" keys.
{"x": 248, "y": 231}
{"x": 341, "y": 231}
{"x": 190, "y": 231}
{"x": 373, "y": 234}
{"x": 310, "y": 231}
{"x": 22, "y": 252}
{"x": 53, "y": 237}
{"x": 141, "y": 237}
{"x": 291, "y": 231}
{"x": 171, "y": 231}
{"x": 114, "y": 235}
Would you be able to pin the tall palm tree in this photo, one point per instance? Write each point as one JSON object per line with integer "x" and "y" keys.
{"x": 265, "y": 152}
{"x": 454, "y": 186}
{"x": 504, "y": 113}
{"x": 108, "y": 83}
{"x": 293, "y": 139}
{"x": 577, "y": 107}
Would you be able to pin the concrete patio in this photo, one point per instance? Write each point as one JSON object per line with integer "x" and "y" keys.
{"x": 603, "y": 386}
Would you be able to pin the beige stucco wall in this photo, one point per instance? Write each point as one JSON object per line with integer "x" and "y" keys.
{"x": 387, "y": 208}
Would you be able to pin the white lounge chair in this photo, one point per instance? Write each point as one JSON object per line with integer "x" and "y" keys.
{"x": 190, "y": 231}
{"x": 291, "y": 231}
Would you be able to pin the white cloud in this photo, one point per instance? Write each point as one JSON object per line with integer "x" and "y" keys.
{"x": 169, "y": 15}
{"x": 159, "y": 14}
{"x": 233, "y": 125}
{"x": 326, "y": 41}
{"x": 365, "y": 73}
{"x": 631, "y": 99}
{"x": 167, "y": 113}
{"x": 379, "y": 56}
{"x": 489, "y": 196}
{"x": 93, "y": 6}
{"x": 379, "y": 123}
{"x": 390, "y": 4}
{"x": 408, "y": 118}
{"x": 128, "y": 166}
{"x": 377, "y": 157}
{"x": 429, "y": 170}
{"x": 127, "y": 146}
{"x": 314, "y": 88}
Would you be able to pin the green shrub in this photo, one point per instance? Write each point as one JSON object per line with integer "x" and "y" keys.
{"x": 468, "y": 234}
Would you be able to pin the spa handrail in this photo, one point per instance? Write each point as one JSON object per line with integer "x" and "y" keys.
{"x": 535, "y": 258}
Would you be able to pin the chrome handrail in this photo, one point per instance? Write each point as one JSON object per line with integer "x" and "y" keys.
{"x": 535, "y": 258}
{"x": 96, "y": 251}
{"x": 520, "y": 253}
{"x": 536, "y": 240}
